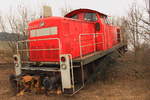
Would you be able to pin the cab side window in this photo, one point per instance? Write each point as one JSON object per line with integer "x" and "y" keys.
{"x": 107, "y": 21}
{"x": 90, "y": 17}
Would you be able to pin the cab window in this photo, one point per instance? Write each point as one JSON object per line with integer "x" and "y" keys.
{"x": 74, "y": 16}
{"x": 90, "y": 17}
{"x": 107, "y": 21}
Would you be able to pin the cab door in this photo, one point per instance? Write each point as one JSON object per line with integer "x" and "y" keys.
{"x": 100, "y": 33}
{"x": 107, "y": 33}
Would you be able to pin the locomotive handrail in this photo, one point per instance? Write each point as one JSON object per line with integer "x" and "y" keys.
{"x": 71, "y": 63}
{"x": 28, "y": 50}
{"x": 39, "y": 39}
{"x": 94, "y": 39}
{"x": 92, "y": 34}
{"x": 38, "y": 49}
{"x": 92, "y": 44}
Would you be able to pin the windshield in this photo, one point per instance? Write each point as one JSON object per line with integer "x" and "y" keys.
{"x": 90, "y": 17}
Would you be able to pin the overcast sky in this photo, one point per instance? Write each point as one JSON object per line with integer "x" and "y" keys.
{"x": 111, "y": 7}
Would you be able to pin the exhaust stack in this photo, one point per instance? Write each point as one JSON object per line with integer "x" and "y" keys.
{"x": 47, "y": 11}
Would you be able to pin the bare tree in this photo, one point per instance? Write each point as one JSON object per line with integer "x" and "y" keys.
{"x": 137, "y": 28}
{"x": 147, "y": 6}
{"x": 17, "y": 24}
{"x": 65, "y": 10}
{"x": 2, "y": 24}
{"x": 134, "y": 19}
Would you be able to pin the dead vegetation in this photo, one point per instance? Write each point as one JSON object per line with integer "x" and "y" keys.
{"x": 125, "y": 79}
{"x": 6, "y": 56}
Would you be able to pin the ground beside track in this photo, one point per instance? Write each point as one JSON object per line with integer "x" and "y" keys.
{"x": 123, "y": 81}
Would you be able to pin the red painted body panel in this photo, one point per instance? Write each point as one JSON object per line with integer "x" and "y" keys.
{"x": 69, "y": 31}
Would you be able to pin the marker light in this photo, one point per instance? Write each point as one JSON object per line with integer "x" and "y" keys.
{"x": 63, "y": 59}
{"x": 15, "y": 59}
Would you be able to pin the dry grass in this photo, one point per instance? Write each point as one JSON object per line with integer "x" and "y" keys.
{"x": 125, "y": 80}
{"x": 6, "y": 54}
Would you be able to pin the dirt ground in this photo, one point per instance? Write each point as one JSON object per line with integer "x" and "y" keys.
{"x": 123, "y": 81}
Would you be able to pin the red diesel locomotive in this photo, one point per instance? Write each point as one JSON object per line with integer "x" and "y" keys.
{"x": 58, "y": 49}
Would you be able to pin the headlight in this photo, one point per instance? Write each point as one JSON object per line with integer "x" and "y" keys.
{"x": 63, "y": 66}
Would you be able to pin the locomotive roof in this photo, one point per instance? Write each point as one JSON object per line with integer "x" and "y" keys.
{"x": 83, "y": 10}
